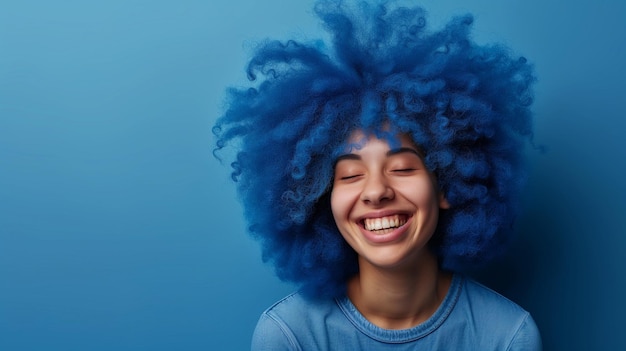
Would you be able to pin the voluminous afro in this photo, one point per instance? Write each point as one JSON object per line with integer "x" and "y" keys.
{"x": 466, "y": 105}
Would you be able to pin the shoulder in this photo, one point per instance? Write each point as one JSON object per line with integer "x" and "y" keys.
{"x": 289, "y": 322}
{"x": 490, "y": 304}
{"x": 495, "y": 315}
{"x": 297, "y": 308}
{"x": 488, "y": 299}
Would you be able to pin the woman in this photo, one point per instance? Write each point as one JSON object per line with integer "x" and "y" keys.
{"x": 374, "y": 171}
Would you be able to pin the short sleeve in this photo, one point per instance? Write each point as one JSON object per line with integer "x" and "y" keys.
{"x": 271, "y": 335}
{"x": 527, "y": 337}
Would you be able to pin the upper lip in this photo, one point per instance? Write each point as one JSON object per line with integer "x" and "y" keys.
{"x": 382, "y": 213}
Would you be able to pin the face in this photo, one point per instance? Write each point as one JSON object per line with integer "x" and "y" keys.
{"x": 384, "y": 201}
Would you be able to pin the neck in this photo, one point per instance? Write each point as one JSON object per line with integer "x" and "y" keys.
{"x": 399, "y": 297}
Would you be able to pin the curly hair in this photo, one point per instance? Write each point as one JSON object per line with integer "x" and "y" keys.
{"x": 466, "y": 105}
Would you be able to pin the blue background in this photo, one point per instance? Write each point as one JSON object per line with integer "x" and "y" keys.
{"x": 119, "y": 231}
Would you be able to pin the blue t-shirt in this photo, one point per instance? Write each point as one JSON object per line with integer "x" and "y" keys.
{"x": 471, "y": 317}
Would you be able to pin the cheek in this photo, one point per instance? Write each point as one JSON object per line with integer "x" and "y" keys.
{"x": 421, "y": 192}
{"x": 340, "y": 204}
{"x": 335, "y": 204}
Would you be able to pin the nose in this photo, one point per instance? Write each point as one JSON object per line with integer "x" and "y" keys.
{"x": 376, "y": 190}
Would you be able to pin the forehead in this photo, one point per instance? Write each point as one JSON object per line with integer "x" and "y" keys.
{"x": 358, "y": 139}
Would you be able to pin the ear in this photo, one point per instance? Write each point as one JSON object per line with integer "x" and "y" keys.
{"x": 443, "y": 202}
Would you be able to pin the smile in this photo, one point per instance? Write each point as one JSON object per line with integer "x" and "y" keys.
{"x": 384, "y": 225}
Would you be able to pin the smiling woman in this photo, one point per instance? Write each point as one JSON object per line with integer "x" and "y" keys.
{"x": 374, "y": 172}
{"x": 385, "y": 202}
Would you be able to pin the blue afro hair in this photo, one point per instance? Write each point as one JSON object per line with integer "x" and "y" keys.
{"x": 466, "y": 105}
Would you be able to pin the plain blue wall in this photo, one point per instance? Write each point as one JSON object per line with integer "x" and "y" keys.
{"x": 119, "y": 231}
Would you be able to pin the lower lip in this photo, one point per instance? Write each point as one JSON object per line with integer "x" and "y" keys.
{"x": 392, "y": 236}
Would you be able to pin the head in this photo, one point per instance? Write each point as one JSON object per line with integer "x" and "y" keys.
{"x": 464, "y": 107}
{"x": 385, "y": 202}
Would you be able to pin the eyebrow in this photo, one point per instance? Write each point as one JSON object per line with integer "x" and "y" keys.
{"x": 402, "y": 150}
{"x": 392, "y": 152}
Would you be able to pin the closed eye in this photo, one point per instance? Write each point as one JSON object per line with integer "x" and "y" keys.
{"x": 404, "y": 170}
{"x": 350, "y": 177}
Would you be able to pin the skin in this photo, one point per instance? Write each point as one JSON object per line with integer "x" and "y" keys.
{"x": 399, "y": 284}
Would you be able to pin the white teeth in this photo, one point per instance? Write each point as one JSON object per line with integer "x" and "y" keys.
{"x": 378, "y": 224}
{"x": 384, "y": 222}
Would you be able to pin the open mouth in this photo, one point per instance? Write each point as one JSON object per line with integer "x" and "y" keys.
{"x": 384, "y": 225}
